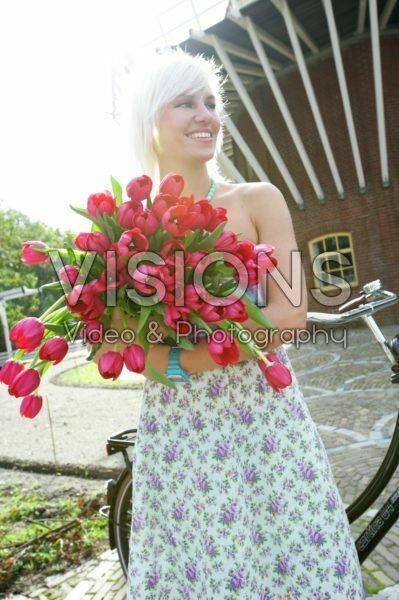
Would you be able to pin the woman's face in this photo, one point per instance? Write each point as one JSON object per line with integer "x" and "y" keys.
{"x": 188, "y": 127}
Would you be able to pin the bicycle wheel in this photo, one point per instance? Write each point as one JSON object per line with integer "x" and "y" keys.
{"x": 121, "y": 516}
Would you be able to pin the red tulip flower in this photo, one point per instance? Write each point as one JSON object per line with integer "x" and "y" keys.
{"x": 54, "y": 349}
{"x": 83, "y": 301}
{"x": 92, "y": 242}
{"x": 69, "y": 274}
{"x": 27, "y": 333}
{"x": 139, "y": 188}
{"x": 227, "y": 242}
{"x": 223, "y": 352}
{"x": 126, "y": 213}
{"x": 236, "y": 311}
{"x": 103, "y": 203}
{"x": 218, "y": 216}
{"x": 276, "y": 374}
{"x": 92, "y": 332}
{"x": 110, "y": 365}
{"x": 131, "y": 242}
{"x": 172, "y": 184}
{"x": 178, "y": 220}
{"x": 146, "y": 221}
{"x": 30, "y": 256}
{"x": 10, "y": 369}
{"x": 30, "y": 406}
{"x": 134, "y": 358}
{"x": 24, "y": 383}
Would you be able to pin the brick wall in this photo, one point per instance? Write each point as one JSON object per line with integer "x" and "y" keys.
{"x": 372, "y": 217}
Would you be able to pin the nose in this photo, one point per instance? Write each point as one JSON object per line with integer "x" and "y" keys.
{"x": 203, "y": 114}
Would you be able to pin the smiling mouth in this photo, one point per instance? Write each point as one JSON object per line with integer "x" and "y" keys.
{"x": 205, "y": 138}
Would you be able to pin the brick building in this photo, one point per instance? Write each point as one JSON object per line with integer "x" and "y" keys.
{"x": 292, "y": 69}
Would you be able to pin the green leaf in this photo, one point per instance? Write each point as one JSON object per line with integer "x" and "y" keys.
{"x": 93, "y": 351}
{"x": 208, "y": 242}
{"x": 55, "y": 285}
{"x": 117, "y": 230}
{"x": 71, "y": 254}
{"x": 82, "y": 212}
{"x": 256, "y": 314}
{"x": 145, "y": 313}
{"x": 59, "y": 328}
{"x": 95, "y": 227}
{"x": 116, "y": 190}
{"x": 160, "y": 377}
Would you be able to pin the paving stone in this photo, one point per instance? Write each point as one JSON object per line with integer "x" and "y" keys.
{"x": 80, "y": 591}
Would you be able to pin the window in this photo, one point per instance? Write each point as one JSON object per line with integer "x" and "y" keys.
{"x": 335, "y": 257}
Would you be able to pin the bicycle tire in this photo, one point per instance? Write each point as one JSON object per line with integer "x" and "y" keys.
{"x": 121, "y": 517}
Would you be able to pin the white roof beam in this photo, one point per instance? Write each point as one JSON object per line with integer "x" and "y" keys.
{"x": 279, "y": 97}
{"x": 233, "y": 49}
{"x": 229, "y": 168}
{"x": 245, "y": 149}
{"x": 386, "y": 13}
{"x": 219, "y": 46}
{"x": 361, "y": 16}
{"x": 305, "y": 37}
{"x": 378, "y": 90}
{"x": 312, "y": 98}
{"x": 344, "y": 93}
{"x": 266, "y": 38}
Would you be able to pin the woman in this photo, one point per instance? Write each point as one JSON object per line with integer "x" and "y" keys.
{"x": 233, "y": 494}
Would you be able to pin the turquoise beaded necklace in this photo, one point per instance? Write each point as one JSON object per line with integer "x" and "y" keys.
{"x": 212, "y": 189}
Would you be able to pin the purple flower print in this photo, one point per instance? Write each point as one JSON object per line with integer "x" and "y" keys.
{"x": 155, "y": 481}
{"x": 171, "y": 453}
{"x": 332, "y": 501}
{"x": 257, "y": 537}
{"x": 151, "y": 580}
{"x": 169, "y": 538}
{"x": 341, "y": 566}
{"x": 314, "y": 536}
{"x": 138, "y": 521}
{"x": 236, "y": 580}
{"x": 250, "y": 475}
{"x": 166, "y": 396}
{"x": 282, "y": 565}
{"x": 216, "y": 388}
{"x": 197, "y": 422}
{"x": 223, "y": 450}
{"x": 230, "y": 513}
{"x": 202, "y": 483}
{"x": 270, "y": 444}
{"x": 209, "y": 547}
{"x": 245, "y": 415}
{"x": 262, "y": 387}
{"x": 296, "y": 410}
{"x": 275, "y": 504}
{"x": 265, "y": 595}
{"x": 306, "y": 472}
{"x": 191, "y": 572}
{"x": 151, "y": 426}
{"x": 178, "y": 512}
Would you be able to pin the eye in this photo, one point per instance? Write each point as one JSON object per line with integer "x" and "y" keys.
{"x": 183, "y": 103}
{"x": 212, "y": 105}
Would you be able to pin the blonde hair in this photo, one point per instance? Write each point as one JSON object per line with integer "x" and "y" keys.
{"x": 158, "y": 80}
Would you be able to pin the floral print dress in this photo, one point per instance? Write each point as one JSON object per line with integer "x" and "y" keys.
{"x": 234, "y": 496}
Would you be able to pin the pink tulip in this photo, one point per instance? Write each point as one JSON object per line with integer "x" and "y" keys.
{"x": 30, "y": 256}
{"x": 103, "y": 203}
{"x": 10, "y": 369}
{"x": 27, "y": 333}
{"x": 110, "y": 365}
{"x": 227, "y": 242}
{"x": 276, "y": 374}
{"x": 30, "y": 406}
{"x": 223, "y": 352}
{"x": 92, "y": 332}
{"x": 69, "y": 274}
{"x": 92, "y": 242}
{"x": 126, "y": 213}
{"x": 134, "y": 358}
{"x": 54, "y": 349}
{"x": 24, "y": 383}
{"x": 139, "y": 188}
{"x": 132, "y": 241}
{"x": 171, "y": 184}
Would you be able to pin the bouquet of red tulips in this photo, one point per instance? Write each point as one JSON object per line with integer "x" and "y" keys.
{"x": 170, "y": 264}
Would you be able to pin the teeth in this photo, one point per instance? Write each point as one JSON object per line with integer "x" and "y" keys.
{"x": 200, "y": 135}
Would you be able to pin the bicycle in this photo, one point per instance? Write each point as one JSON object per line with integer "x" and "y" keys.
{"x": 372, "y": 299}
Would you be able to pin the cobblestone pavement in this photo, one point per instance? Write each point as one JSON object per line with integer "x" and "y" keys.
{"x": 354, "y": 405}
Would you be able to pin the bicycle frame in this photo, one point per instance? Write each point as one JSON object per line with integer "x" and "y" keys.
{"x": 389, "y": 512}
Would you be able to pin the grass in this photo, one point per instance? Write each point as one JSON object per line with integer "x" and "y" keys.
{"x": 87, "y": 375}
{"x": 29, "y": 540}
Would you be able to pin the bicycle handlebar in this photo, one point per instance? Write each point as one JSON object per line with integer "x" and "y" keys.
{"x": 370, "y": 290}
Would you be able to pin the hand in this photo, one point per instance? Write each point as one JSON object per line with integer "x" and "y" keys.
{"x": 158, "y": 357}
